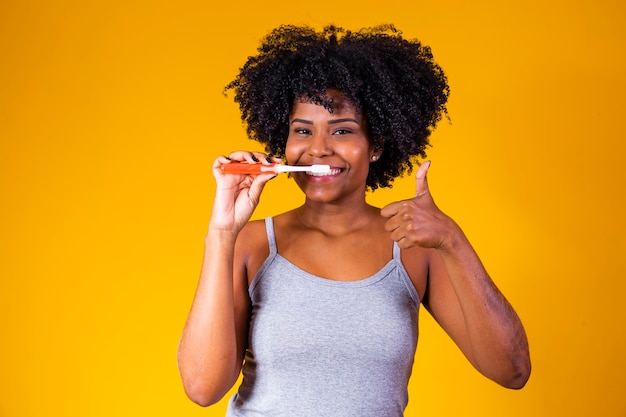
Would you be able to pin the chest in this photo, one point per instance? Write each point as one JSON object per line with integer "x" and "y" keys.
{"x": 348, "y": 258}
{"x": 297, "y": 316}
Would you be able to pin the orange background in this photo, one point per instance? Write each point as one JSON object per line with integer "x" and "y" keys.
{"x": 111, "y": 113}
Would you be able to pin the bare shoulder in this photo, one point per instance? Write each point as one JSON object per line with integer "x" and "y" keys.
{"x": 252, "y": 248}
{"x": 251, "y": 230}
{"x": 251, "y": 237}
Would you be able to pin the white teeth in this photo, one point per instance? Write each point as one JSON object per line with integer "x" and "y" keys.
{"x": 333, "y": 171}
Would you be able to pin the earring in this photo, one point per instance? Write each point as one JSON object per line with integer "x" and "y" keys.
{"x": 374, "y": 158}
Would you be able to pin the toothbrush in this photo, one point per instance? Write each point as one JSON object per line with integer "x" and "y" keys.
{"x": 255, "y": 169}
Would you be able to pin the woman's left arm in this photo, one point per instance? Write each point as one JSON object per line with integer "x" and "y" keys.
{"x": 460, "y": 294}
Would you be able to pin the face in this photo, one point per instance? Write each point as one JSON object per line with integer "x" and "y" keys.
{"x": 338, "y": 139}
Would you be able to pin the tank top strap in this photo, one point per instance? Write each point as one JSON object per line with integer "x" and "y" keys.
{"x": 271, "y": 237}
{"x": 396, "y": 251}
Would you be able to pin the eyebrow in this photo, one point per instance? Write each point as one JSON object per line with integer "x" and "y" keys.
{"x": 330, "y": 122}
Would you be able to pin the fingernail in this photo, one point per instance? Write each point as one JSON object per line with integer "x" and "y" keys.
{"x": 255, "y": 159}
{"x": 268, "y": 159}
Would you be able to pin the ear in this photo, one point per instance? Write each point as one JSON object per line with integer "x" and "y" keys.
{"x": 376, "y": 152}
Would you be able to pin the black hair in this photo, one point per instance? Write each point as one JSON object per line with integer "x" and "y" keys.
{"x": 393, "y": 82}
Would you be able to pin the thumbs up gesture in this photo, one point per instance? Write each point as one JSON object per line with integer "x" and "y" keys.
{"x": 418, "y": 221}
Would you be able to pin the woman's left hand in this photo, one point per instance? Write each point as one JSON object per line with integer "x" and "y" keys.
{"x": 418, "y": 221}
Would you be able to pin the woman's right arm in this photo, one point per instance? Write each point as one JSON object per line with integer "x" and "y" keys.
{"x": 214, "y": 339}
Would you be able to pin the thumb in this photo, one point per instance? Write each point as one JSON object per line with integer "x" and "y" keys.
{"x": 421, "y": 179}
{"x": 258, "y": 184}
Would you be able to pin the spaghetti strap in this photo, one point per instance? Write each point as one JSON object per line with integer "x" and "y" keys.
{"x": 396, "y": 251}
{"x": 271, "y": 238}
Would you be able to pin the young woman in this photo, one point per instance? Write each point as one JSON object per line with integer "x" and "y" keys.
{"x": 318, "y": 306}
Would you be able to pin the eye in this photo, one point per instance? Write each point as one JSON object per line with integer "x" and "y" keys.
{"x": 301, "y": 131}
{"x": 342, "y": 131}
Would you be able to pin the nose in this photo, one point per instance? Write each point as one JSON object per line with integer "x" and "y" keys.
{"x": 319, "y": 145}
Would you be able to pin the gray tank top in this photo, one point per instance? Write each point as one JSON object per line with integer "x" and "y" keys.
{"x": 319, "y": 347}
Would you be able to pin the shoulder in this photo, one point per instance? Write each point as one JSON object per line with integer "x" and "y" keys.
{"x": 251, "y": 229}
{"x": 252, "y": 247}
{"x": 251, "y": 237}
{"x": 254, "y": 233}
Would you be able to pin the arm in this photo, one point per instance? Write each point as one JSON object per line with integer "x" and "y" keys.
{"x": 467, "y": 304}
{"x": 460, "y": 294}
{"x": 214, "y": 338}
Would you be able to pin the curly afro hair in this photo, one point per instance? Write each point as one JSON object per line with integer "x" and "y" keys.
{"x": 393, "y": 82}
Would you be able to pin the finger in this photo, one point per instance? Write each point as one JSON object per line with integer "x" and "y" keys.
{"x": 393, "y": 224}
{"x": 220, "y": 160}
{"x": 249, "y": 157}
{"x": 237, "y": 155}
{"x": 262, "y": 158}
{"x": 258, "y": 184}
{"x": 399, "y": 235}
{"x": 421, "y": 179}
{"x": 390, "y": 210}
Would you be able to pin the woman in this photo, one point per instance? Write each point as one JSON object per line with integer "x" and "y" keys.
{"x": 318, "y": 306}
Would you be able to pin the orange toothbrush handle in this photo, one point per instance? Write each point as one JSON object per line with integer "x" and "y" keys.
{"x": 244, "y": 168}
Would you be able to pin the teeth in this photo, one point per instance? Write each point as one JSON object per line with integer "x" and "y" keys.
{"x": 333, "y": 171}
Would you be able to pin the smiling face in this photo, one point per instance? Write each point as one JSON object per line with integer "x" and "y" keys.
{"x": 338, "y": 139}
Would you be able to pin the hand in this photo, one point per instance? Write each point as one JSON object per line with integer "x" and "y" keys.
{"x": 237, "y": 196}
{"x": 418, "y": 221}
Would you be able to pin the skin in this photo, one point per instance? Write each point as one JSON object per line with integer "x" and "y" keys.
{"x": 337, "y": 222}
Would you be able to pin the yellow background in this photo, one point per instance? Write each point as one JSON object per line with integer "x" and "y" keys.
{"x": 111, "y": 113}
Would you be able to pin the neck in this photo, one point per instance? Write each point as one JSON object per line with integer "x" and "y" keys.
{"x": 335, "y": 219}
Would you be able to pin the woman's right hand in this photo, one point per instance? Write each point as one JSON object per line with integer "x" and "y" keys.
{"x": 237, "y": 195}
